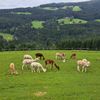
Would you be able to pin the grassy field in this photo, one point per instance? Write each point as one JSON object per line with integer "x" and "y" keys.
{"x": 66, "y": 84}
{"x": 97, "y": 20}
{"x": 37, "y": 24}
{"x": 73, "y": 8}
{"x": 50, "y": 8}
{"x": 6, "y": 36}
{"x": 71, "y": 21}
{"x": 21, "y": 13}
{"x": 76, "y": 8}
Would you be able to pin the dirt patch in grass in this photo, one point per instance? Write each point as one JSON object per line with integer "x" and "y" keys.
{"x": 39, "y": 93}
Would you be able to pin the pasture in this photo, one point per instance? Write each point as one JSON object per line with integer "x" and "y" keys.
{"x": 65, "y": 84}
{"x": 50, "y": 8}
{"x": 6, "y": 36}
{"x": 71, "y": 21}
{"x": 21, "y": 13}
{"x": 37, "y": 24}
{"x": 76, "y": 8}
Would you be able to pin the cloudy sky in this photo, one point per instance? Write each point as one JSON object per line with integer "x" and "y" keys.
{"x": 4, "y": 4}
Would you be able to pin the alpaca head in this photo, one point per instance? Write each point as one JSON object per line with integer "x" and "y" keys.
{"x": 64, "y": 60}
{"x": 45, "y": 70}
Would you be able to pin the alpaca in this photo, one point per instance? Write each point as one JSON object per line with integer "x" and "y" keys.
{"x": 40, "y": 55}
{"x": 83, "y": 64}
{"x": 60, "y": 56}
{"x": 73, "y": 56}
{"x": 12, "y": 69}
{"x": 49, "y": 61}
{"x": 27, "y": 57}
{"x": 27, "y": 62}
{"x": 35, "y": 66}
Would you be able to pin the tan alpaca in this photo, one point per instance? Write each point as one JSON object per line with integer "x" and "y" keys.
{"x": 12, "y": 69}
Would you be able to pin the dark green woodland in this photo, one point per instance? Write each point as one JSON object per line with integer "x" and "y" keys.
{"x": 51, "y": 26}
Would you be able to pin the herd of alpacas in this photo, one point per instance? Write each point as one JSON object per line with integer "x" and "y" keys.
{"x": 35, "y": 66}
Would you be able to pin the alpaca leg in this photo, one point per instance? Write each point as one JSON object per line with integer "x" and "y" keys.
{"x": 83, "y": 68}
{"x": 32, "y": 69}
{"x": 78, "y": 68}
{"x": 23, "y": 66}
{"x": 38, "y": 69}
{"x": 51, "y": 66}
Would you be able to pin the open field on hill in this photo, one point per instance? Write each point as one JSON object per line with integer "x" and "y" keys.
{"x": 21, "y": 13}
{"x": 6, "y": 36}
{"x": 65, "y": 84}
{"x": 71, "y": 21}
{"x": 76, "y": 8}
{"x": 73, "y": 8}
{"x": 37, "y": 24}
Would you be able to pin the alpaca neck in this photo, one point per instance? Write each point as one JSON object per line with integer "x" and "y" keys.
{"x": 44, "y": 70}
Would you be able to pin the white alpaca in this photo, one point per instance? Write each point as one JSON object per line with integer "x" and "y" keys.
{"x": 27, "y": 62}
{"x": 27, "y": 57}
{"x": 35, "y": 66}
{"x": 60, "y": 56}
{"x": 83, "y": 64}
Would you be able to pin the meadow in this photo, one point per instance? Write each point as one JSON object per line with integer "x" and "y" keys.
{"x": 71, "y": 21}
{"x": 37, "y": 24}
{"x": 6, "y": 36}
{"x": 65, "y": 84}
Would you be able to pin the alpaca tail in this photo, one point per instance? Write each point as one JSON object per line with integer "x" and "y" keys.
{"x": 57, "y": 66}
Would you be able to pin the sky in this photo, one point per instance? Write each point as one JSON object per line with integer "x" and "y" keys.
{"x": 5, "y": 4}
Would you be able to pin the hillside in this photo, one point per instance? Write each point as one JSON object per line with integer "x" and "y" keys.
{"x": 52, "y": 26}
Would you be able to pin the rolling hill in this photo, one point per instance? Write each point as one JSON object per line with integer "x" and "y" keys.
{"x": 52, "y": 26}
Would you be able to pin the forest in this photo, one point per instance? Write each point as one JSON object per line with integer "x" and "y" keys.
{"x": 51, "y": 26}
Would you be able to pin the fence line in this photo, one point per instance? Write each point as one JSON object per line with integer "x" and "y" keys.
{"x": 29, "y": 49}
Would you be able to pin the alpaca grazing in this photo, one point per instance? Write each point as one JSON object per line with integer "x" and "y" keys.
{"x": 27, "y": 62}
{"x": 73, "y": 56}
{"x": 83, "y": 64}
{"x": 52, "y": 63}
{"x": 61, "y": 56}
{"x": 40, "y": 55}
{"x": 12, "y": 69}
{"x": 27, "y": 57}
{"x": 35, "y": 66}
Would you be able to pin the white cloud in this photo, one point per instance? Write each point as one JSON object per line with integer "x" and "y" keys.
{"x": 4, "y": 4}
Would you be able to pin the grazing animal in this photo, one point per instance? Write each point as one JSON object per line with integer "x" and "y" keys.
{"x": 27, "y": 62}
{"x": 28, "y": 57}
{"x": 12, "y": 69}
{"x": 35, "y": 66}
{"x": 60, "y": 56}
{"x": 73, "y": 56}
{"x": 40, "y": 55}
{"x": 83, "y": 64}
{"x": 49, "y": 61}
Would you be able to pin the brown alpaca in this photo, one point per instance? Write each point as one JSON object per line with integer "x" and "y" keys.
{"x": 49, "y": 61}
{"x": 73, "y": 56}
{"x": 40, "y": 55}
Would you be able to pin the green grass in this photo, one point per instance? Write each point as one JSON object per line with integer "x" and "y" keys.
{"x": 50, "y": 8}
{"x": 6, "y": 36}
{"x": 71, "y": 21}
{"x": 97, "y": 20}
{"x": 66, "y": 84}
{"x": 37, "y": 24}
{"x": 76, "y": 8}
{"x": 21, "y": 13}
{"x": 73, "y": 8}
{"x": 67, "y": 7}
